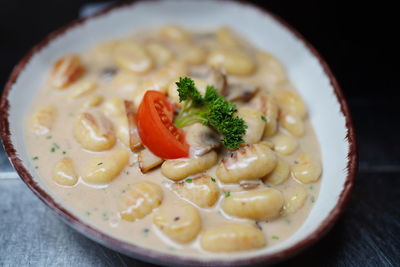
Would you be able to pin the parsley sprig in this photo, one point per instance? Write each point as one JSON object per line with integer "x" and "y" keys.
{"x": 212, "y": 110}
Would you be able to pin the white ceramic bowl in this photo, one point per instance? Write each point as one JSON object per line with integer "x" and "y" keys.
{"x": 306, "y": 69}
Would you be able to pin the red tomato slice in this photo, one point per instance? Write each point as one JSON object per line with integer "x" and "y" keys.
{"x": 158, "y": 133}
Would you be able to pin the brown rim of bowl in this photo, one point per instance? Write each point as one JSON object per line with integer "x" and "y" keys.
{"x": 151, "y": 255}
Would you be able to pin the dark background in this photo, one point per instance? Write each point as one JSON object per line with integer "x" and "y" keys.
{"x": 358, "y": 42}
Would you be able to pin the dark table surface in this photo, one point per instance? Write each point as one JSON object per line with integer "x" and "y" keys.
{"x": 356, "y": 42}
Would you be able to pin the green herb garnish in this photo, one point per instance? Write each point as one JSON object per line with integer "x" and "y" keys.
{"x": 35, "y": 158}
{"x": 53, "y": 149}
{"x": 189, "y": 180}
{"x": 48, "y": 137}
{"x": 212, "y": 110}
{"x": 227, "y": 194}
{"x": 64, "y": 152}
{"x": 100, "y": 163}
{"x": 263, "y": 118}
{"x": 312, "y": 198}
{"x": 275, "y": 237}
{"x": 213, "y": 179}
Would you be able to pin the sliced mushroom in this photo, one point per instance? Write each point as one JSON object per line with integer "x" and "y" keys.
{"x": 212, "y": 76}
{"x": 242, "y": 92}
{"x": 201, "y": 139}
{"x": 134, "y": 139}
{"x": 148, "y": 161}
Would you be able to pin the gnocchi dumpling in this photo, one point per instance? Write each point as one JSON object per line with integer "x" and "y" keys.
{"x": 132, "y": 57}
{"x": 294, "y": 199}
{"x": 280, "y": 173}
{"x": 94, "y": 134}
{"x": 255, "y": 124}
{"x": 43, "y": 119}
{"x": 247, "y": 163}
{"x": 259, "y": 205}
{"x": 66, "y": 71}
{"x": 267, "y": 105}
{"x": 284, "y": 144}
{"x": 174, "y": 33}
{"x": 233, "y": 61}
{"x": 64, "y": 172}
{"x": 180, "y": 222}
{"x": 292, "y": 123}
{"x": 232, "y": 237}
{"x": 306, "y": 169}
{"x": 202, "y": 191}
{"x": 273, "y": 72}
{"x": 139, "y": 199}
{"x": 114, "y": 107}
{"x": 82, "y": 88}
{"x": 178, "y": 169}
{"x": 160, "y": 53}
{"x": 290, "y": 102}
{"x": 104, "y": 169}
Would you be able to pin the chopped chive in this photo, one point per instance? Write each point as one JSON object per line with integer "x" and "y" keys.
{"x": 64, "y": 152}
{"x": 35, "y": 158}
{"x": 53, "y": 149}
{"x": 227, "y": 194}
{"x": 311, "y": 187}
{"x": 55, "y": 146}
{"x": 275, "y": 237}
{"x": 263, "y": 118}
{"x": 213, "y": 179}
{"x": 99, "y": 163}
{"x": 48, "y": 137}
{"x": 104, "y": 215}
{"x": 312, "y": 198}
{"x": 36, "y": 167}
{"x": 189, "y": 180}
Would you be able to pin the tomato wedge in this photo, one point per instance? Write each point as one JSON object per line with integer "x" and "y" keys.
{"x": 158, "y": 133}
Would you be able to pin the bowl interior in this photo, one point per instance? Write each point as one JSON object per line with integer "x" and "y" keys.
{"x": 261, "y": 29}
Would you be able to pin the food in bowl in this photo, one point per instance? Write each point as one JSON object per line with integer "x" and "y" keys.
{"x": 190, "y": 142}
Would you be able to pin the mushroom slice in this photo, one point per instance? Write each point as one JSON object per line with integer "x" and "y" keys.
{"x": 134, "y": 139}
{"x": 201, "y": 139}
{"x": 242, "y": 92}
{"x": 212, "y": 76}
{"x": 148, "y": 161}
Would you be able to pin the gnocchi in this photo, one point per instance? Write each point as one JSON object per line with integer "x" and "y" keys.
{"x": 178, "y": 169}
{"x": 259, "y": 205}
{"x": 94, "y": 134}
{"x": 294, "y": 200}
{"x": 306, "y": 168}
{"x": 284, "y": 144}
{"x": 280, "y": 173}
{"x": 202, "y": 190}
{"x": 255, "y": 124}
{"x": 233, "y": 61}
{"x": 140, "y": 199}
{"x": 248, "y": 163}
{"x": 64, "y": 172}
{"x": 180, "y": 222}
{"x": 66, "y": 71}
{"x": 232, "y": 237}
{"x": 104, "y": 169}
{"x": 132, "y": 57}
{"x": 43, "y": 119}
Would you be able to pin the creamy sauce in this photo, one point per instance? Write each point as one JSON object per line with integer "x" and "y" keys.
{"x": 98, "y": 204}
